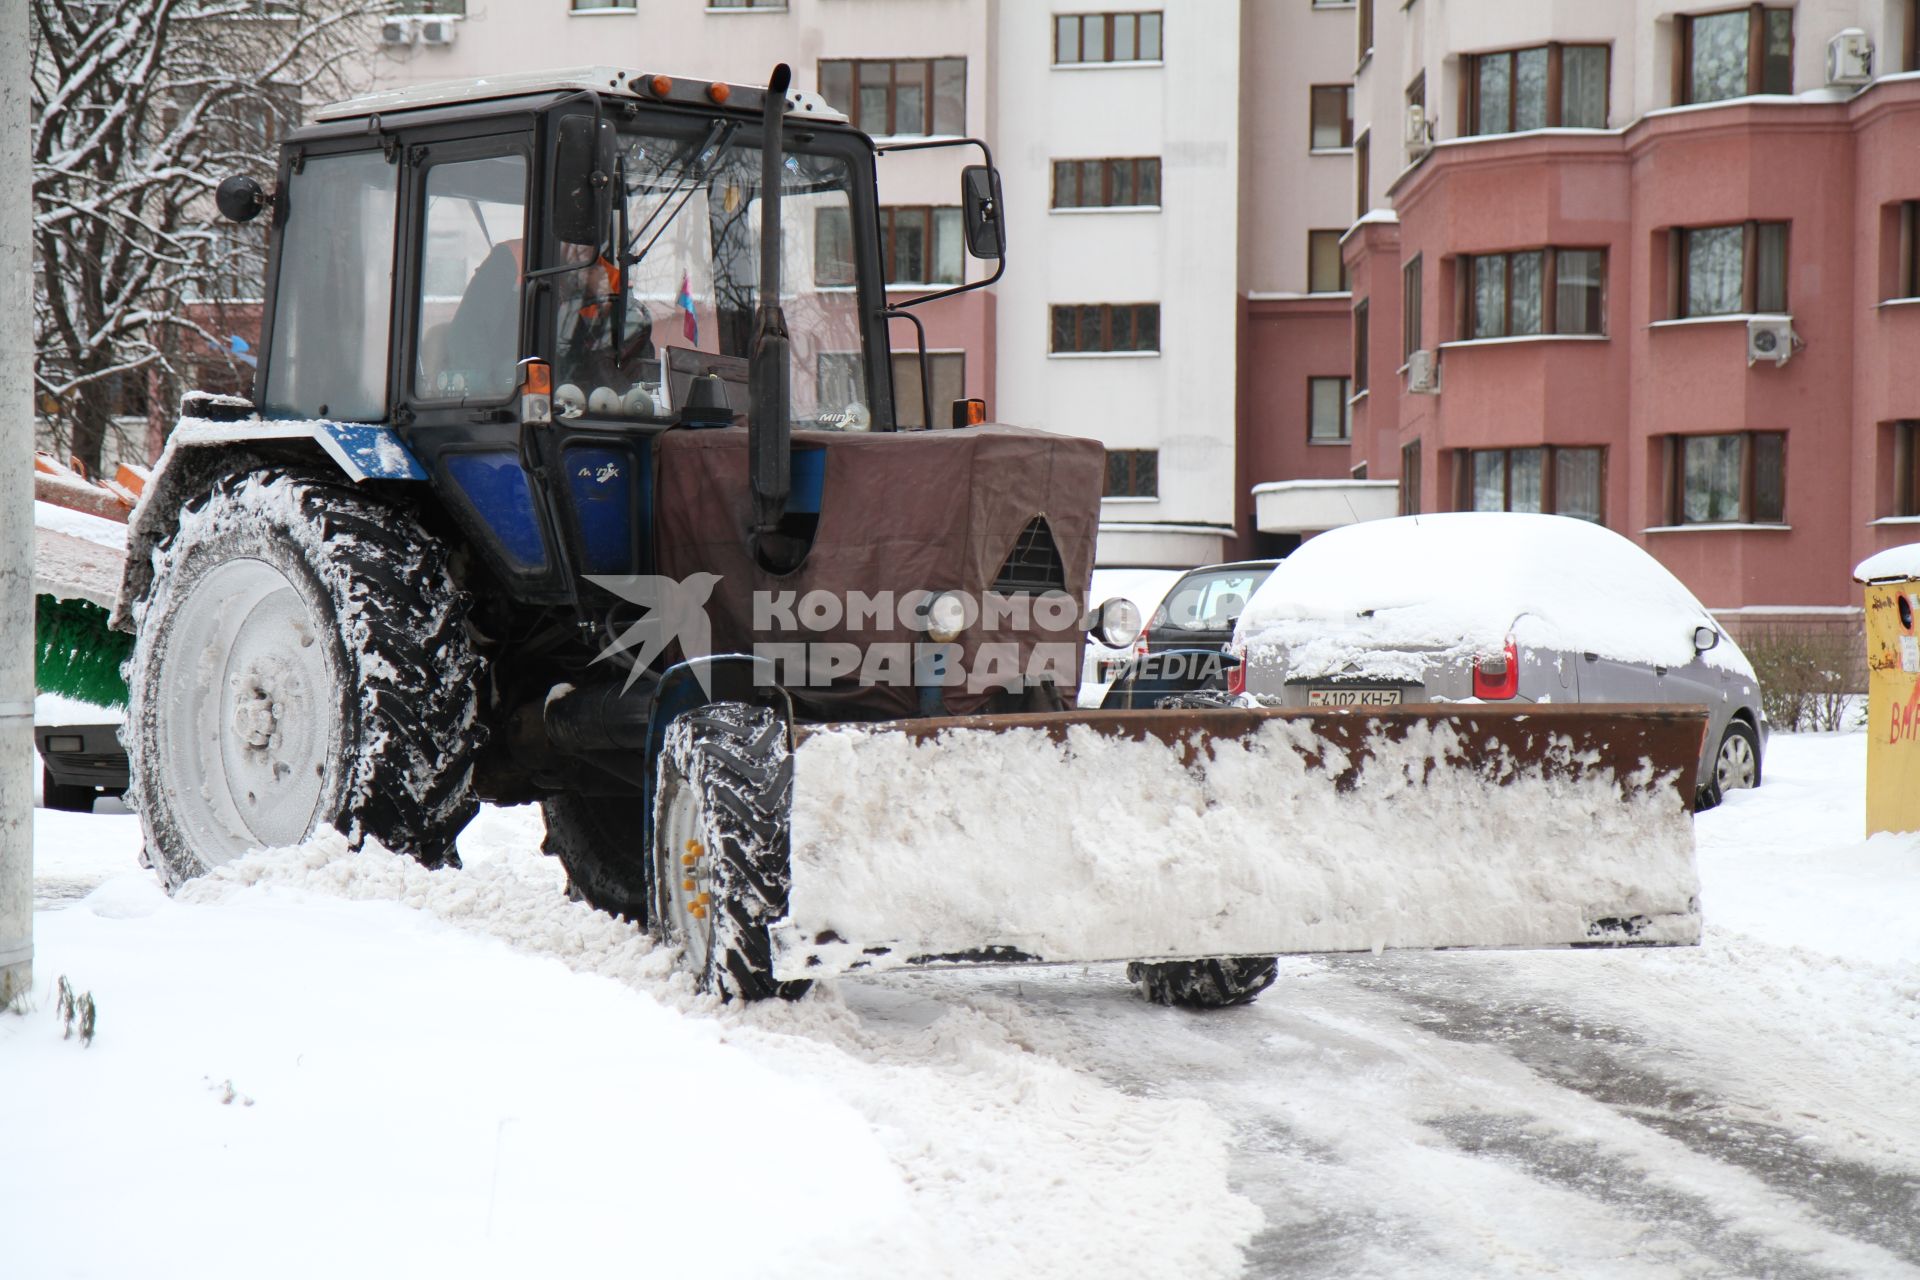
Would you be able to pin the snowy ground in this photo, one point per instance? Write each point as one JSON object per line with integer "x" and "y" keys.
{"x": 327, "y": 1064}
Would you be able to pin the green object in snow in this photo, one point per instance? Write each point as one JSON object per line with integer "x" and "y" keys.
{"x": 76, "y": 654}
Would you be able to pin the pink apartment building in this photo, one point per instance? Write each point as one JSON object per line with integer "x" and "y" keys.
{"x": 1647, "y": 264}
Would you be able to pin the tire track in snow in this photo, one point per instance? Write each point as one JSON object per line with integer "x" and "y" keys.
{"x": 1856, "y": 1199}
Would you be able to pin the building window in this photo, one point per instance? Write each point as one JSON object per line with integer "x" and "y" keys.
{"x": 437, "y": 8}
{"x": 1547, "y": 479}
{"x": 1410, "y": 479}
{"x": 1363, "y": 164}
{"x": 1329, "y": 411}
{"x": 1332, "y": 117}
{"x": 1326, "y": 269}
{"x": 1106, "y": 37}
{"x": 833, "y": 247}
{"x": 918, "y": 244}
{"x": 1366, "y": 28}
{"x": 1410, "y": 308}
{"x": 1513, "y": 295}
{"x": 590, "y": 6}
{"x": 1906, "y": 251}
{"x": 1107, "y": 184}
{"x": 1734, "y": 53}
{"x": 1360, "y": 349}
{"x": 1730, "y": 270}
{"x": 1729, "y": 479}
{"x": 1906, "y": 469}
{"x": 1543, "y": 87}
{"x": 898, "y": 98}
{"x": 1131, "y": 327}
{"x": 1133, "y": 473}
{"x": 746, "y": 4}
{"x": 949, "y": 384}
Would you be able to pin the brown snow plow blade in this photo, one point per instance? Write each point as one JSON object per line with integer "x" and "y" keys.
{"x": 1181, "y": 834}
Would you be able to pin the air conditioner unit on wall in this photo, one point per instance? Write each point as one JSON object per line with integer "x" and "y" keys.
{"x": 395, "y": 32}
{"x": 1419, "y": 130}
{"x": 439, "y": 31}
{"x": 1850, "y": 57}
{"x": 1423, "y": 373}
{"x": 1771, "y": 338}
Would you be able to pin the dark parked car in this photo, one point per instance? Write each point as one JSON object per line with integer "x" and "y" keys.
{"x": 1184, "y": 645}
{"x": 79, "y": 763}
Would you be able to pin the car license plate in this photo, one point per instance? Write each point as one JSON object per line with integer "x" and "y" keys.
{"x": 1353, "y": 697}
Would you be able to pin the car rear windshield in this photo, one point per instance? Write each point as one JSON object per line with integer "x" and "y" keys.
{"x": 1210, "y": 600}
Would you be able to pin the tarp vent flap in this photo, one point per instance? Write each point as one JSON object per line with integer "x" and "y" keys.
{"x": 1034, "y": 567}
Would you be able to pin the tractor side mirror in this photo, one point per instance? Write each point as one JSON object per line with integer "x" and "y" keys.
{"x": 1704, "y": 638}
{"x": 980, "y": 200}
{"x": 239, "y": 199}
{"x": 582, "y": 175}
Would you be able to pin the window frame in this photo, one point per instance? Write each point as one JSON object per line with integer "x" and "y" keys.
{"x": 910, "y": 361}
{"x": 1549, "y": 477}
{"x": 1410, "y": 468}
{"x": 1549, "y": 293}
{"x": 1749, "y": 467}
{"x": 1107, "y": 312}
{"x": 1346, "y": 277}
{"x": 885, "y": 226}
{"x": 1133, "y": 459}
{"x": 1139, "y": 165}
{"x": 1107, "y": 16}
{"x": 1362, "y": 166}
{"x": 1680, "y": 251}
{"x": 1345, "y": 385}
{"x": 1906, "y": 470}
{"x": 1906, "y": 261}
{"x": 930, "y": 96}
{"x": 1555, "y": 91}
{"x": 1360, "y": 348}
{"x": 1314, "y": 94}
{"x": 1411, "y": 288}
{"x": 1683, "y": 85}
{"x": 1364, "y": 29}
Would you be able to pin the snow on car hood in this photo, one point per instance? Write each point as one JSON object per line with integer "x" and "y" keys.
{"x": 1383, "y": 598}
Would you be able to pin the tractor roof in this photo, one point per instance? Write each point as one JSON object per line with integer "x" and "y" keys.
{"x": 608, "y": 80}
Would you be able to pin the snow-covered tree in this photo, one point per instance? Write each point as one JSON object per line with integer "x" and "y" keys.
{"x": 140, "y": 108}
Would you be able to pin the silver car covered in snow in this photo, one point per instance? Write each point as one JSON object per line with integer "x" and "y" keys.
{"x": 1498, "y": 607}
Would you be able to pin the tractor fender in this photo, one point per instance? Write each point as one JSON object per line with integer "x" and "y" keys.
{"x": 200, "y": 450}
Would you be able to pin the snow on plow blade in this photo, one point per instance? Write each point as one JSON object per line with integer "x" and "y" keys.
{"x": 1180, "y": 834}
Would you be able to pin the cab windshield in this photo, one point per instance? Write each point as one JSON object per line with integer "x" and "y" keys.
{"x": 670, "y": 293}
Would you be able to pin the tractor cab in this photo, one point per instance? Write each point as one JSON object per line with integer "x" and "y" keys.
{"x": 581, "y": 251}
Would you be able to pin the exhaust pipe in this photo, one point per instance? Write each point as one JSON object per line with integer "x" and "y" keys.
{"x": 768, "y": 430}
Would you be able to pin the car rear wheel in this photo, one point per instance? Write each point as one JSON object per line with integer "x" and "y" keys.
{"x": 1736, "y": 766}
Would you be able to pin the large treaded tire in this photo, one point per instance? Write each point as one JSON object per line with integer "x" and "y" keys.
{"x": 598, "y": 839}
{"x": 397, "y": 708}
{"x": 725, "y": 799}
{"x": 1203, "y": 984}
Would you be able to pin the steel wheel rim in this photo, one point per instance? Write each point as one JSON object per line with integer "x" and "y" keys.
{"x": 247, "y": 712}
{"x": 686, "y": 884}
{"x": 1736, "y": 768}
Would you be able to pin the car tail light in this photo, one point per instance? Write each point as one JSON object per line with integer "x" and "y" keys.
{"x": 1237, "y": 673}
{"x": 1497, "y": 678}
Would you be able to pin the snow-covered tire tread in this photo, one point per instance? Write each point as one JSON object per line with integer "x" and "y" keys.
{"x": 597, "y": 839}
{"x": 1203, "y": 984}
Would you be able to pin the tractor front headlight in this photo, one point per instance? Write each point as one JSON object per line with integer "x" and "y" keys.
{"x": 946, "y": 617}
{"x": 1117, "y": 625}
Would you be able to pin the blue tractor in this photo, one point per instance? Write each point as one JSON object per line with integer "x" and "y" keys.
{"x": 574, "y": 473}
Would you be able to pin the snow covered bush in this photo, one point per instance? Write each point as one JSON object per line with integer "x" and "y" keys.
{"x": 1808, "y": 676}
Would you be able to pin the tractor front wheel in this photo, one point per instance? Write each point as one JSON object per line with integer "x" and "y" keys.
{"x": 301, "y": 661}
{"x": 721, "y": 847}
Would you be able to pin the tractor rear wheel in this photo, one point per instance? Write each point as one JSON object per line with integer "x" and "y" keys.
{"x": 1203, "y": 984}
{"x": 301, "y": 661}
{"x": 598, "y": 839}
{"x": 721, "y": 847}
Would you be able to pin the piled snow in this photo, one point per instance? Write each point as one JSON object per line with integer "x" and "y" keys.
{"x": 80, "y": 524}
{"x": 288, "y": 1041}
{"x": 1384, "y": 597}
{"x": 1101, "y": 847}
{"x": 57, "y": 709}
{"x": 1891, "y": 565}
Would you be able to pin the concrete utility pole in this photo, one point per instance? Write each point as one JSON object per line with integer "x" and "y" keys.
{"x": 16, "y": 508}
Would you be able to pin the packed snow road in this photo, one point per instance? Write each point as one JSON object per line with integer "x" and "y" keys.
{"x": 353, "y": 1062}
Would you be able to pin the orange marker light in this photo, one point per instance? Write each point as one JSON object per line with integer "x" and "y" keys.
{"x": 661, "y": 86}
{"x": 539, "y": 378}
{"x": 719, "y": 93}
{"x": 970, "y": 412}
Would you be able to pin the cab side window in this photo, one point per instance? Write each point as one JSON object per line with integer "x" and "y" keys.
{"x": 472, "y": 263}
